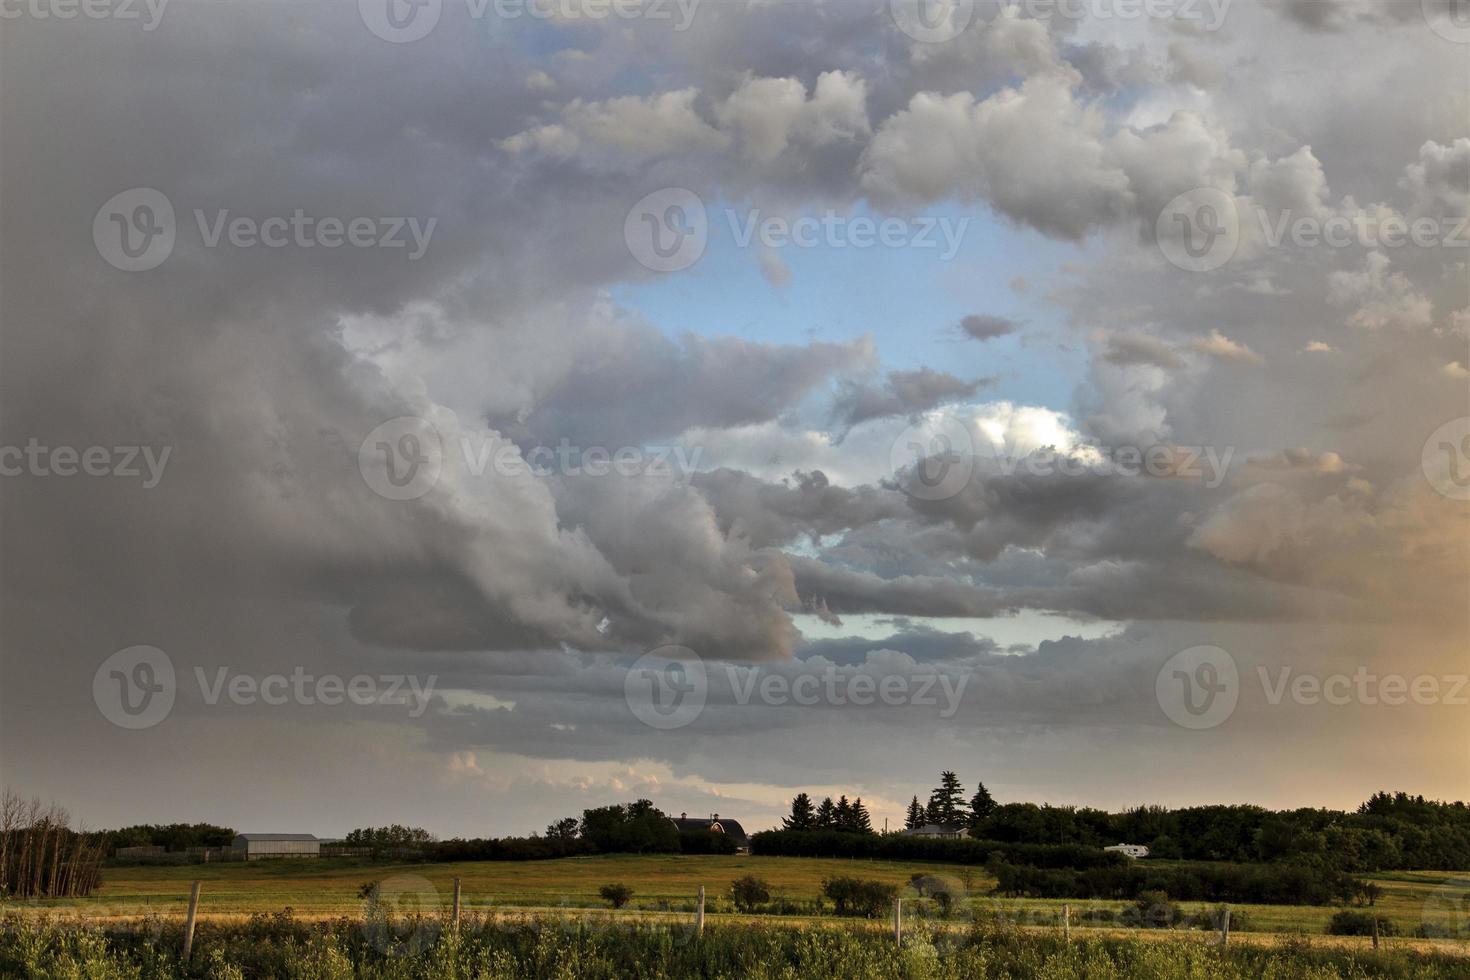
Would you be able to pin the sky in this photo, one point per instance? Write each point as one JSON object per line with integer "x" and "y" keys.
{"x": 463, "y": 414}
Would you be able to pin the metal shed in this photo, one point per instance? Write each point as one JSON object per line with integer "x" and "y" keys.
{"x": 258, "y": 846}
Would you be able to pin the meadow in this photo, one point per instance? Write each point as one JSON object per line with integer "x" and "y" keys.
{"x": 599, "y": 946}
{"x": 662, "y": 883}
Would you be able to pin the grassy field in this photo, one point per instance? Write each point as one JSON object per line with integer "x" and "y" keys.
{"x": 530, "y": 946}
{"x": 660, "y": 883}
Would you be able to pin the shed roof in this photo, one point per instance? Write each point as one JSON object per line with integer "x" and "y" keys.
{"x": 268, "y": 837}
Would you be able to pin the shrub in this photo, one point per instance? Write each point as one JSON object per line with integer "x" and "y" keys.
{"x": 857, "y": 896}
{"x": 1240, "y": 920}
{"x": 705, "y": 842}
{"x": 1153, "y": 910}
{"x": 749, "y": 892}
{"x": 1349, "y": 922}
{"x": 964, "y": 850}
{"x": 616, "y": 894}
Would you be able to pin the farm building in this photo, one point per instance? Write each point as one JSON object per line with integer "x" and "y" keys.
{"x": 260, "y": 846}
{"x": 1129, "y": 850}
{"x": 731, "y": 827}
{"x": 935, "y": 830}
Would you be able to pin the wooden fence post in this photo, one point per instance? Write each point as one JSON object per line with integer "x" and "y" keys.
{"x": 898, "y": 921}
{"x": 1067, "y": 923}
{"x": 1375, "y": 932}
{"x": 189, "y": 923}
{"x": 699, "y": 914}
{"x": 454, "y": 917}
{"x": 1225, "y": 928}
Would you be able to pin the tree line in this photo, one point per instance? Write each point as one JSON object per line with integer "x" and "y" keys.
{"x": 842, "y": 816}
{"x": 1387, "y": 832}
{"x": 623, "y": 828}
{"x": 41, "y": 856}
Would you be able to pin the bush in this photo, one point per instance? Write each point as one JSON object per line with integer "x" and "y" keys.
{"x": 616, "y": 894}
{"x": 705, "y": 842}
{"x": 857, "y": 896}
{"x": 749, "y": 892}
{"x": 1261, "y": 884}
{"x": 507, "y": 849}
{"x": 1153, "y": 910}
{"x": 1352, "y": 923}
{"x": 963, "y": 850}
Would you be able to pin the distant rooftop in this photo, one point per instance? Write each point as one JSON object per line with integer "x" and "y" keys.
{"x": 277, "y": 836}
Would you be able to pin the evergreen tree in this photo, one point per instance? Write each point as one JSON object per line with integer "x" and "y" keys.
{"x": 982, "y": 805}
{"x": 947, "y": 802}
{"x": 916, "y": 816}
{"x": 803, "y": 815}
{"x": 826, "y": 815}
{"x": 861, "y": 822}
{"x": 844, "y": 814}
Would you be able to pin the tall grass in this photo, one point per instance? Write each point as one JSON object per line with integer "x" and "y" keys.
{"x": 551, "y": 947}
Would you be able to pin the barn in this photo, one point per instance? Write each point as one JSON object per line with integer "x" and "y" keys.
{"x": 714, "y": 824}
{"x": 260, "y": 846}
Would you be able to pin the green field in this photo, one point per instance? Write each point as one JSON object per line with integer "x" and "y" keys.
{"x": 660, "y": 883}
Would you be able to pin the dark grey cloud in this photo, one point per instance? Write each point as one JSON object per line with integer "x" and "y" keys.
{"x": 902, "y": 393}
{"x": 987, "y": 326}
